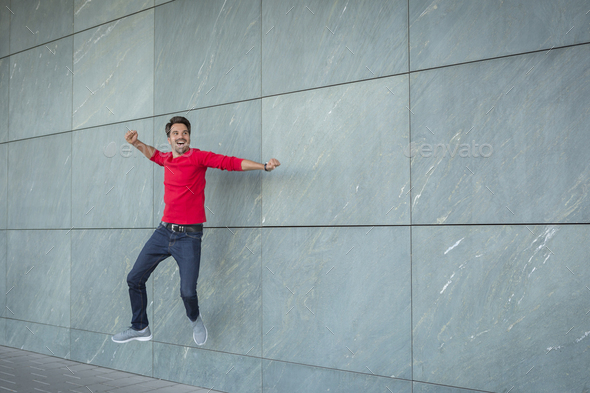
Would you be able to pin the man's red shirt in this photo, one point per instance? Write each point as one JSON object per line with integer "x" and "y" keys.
{"x": 184, "y": 183}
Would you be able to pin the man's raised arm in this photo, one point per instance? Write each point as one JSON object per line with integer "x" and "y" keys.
{"x": 248, "y": 165}
{"x": 147, "y": 150}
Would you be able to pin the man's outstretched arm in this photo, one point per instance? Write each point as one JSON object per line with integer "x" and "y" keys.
{"x": 248, "y": 165}
{"x": 147, "y": 150}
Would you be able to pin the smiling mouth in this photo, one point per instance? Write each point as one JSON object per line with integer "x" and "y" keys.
{"x": 180, "y": 144}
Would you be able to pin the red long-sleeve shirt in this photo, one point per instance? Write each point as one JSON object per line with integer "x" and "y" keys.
{"x": 184, "y": 183}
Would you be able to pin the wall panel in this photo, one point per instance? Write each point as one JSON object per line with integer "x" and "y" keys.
{"x": 3, "y": 185}
{"x": 207, "y": 369}
{"x": 97, "y": 348}
{"x": 34, "y": 22}
{"x": 501, "y": 306}
{"x": 113, "y": 181}
{"x": 114, "y": 73}
{"x": 338, "y": 298}
{"x": 101, "y": 260}
{"x": 502, "y": 141}
{"x": 4, "y": 101}
{"x": 88, "y": 14}
{"x": 452, "y": 32}
{"x": 38, "y": 276}
{"x": 297, "y": 378}
{"x": 40, "y": 100}
{"x": 319, "y": 43}
{"x": 229, "y": 291}
{"x": 39, "y": 183}
{"x": 40, "y": 338}
{"x": 340, "y": 151}
{"x": 207, "y": 53}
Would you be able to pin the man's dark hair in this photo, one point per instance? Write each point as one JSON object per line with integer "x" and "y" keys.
{"x": 178, "y": 119}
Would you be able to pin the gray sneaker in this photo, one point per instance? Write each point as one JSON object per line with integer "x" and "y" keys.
{"x": 199, "y": 331}
{"x": 132, "y": 334}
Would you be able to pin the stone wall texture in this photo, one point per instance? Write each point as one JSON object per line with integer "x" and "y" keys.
{"x": 426, "y": 231}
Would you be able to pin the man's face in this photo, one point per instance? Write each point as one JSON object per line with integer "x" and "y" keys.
{"x": 179, "y": 139}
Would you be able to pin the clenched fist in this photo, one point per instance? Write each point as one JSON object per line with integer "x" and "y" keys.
{"x": 131, "y": 136}
{"x": 272, "y": 164}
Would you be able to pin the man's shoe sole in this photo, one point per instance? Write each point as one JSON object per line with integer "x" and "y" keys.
{"x": 131, "y": 339}
{"x": 206, "y": 336}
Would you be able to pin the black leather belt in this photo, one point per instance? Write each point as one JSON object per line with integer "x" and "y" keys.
{"x": 183, "y": 228}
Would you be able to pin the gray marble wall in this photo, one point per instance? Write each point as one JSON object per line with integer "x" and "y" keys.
{"x": 426, "y": 232}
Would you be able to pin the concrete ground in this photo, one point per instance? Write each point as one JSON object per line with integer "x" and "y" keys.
{"x": 29, "y": 372}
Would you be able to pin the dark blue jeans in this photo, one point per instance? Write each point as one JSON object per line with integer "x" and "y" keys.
{"x": 185, "y": 247}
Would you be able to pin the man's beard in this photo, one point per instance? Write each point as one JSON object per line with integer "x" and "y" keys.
{"x": 181, "y": 149}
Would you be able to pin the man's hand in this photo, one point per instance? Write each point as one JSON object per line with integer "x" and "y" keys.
{"x": 147, "y": 150}
{"x": 272, "y": 164}
{"x": 131, "y": 136}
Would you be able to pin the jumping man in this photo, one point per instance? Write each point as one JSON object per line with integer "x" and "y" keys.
{"x": 180, "y": 232}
